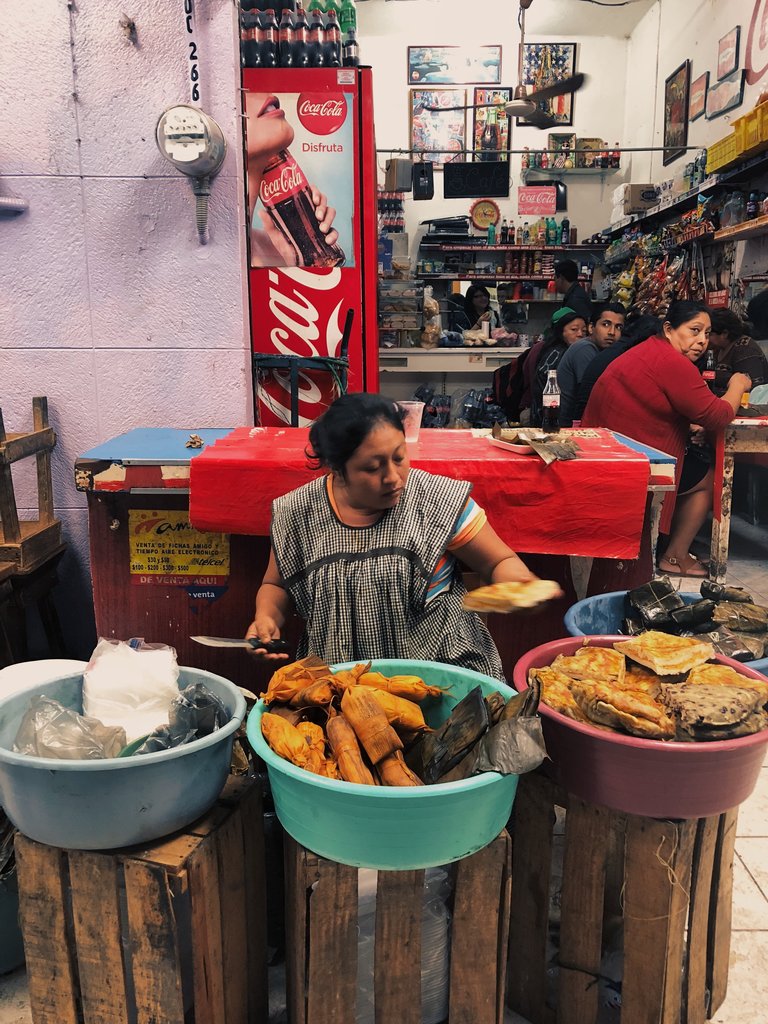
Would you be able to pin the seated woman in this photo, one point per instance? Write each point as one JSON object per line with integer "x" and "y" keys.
{"x": 566, "y": 327}
{"x": 735, "y": 351}
{"x": 653, "y": 393}
{"x": 475, "y": 311}
{"x": 368, "y": 552}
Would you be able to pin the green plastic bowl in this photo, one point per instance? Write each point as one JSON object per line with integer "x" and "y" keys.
{"x": 393, "y": 828}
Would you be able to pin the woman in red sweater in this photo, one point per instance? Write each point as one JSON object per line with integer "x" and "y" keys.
{"x": 654, "y": 394}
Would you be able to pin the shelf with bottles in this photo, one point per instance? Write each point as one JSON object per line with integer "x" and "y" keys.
{"x": 557, "y": 172}
{"x": 747, "y": 229}
{"x": 282, "y": 34}
{"x": 577, "y": 247}
{"x": 391, "y": 211}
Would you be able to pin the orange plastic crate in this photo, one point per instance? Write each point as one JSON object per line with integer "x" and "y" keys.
{"x": 722, "y": 153}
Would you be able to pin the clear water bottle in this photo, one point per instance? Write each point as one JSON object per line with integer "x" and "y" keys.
{"x": 551, "y": 402}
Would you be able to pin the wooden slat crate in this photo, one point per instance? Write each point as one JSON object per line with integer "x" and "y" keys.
{"x": 173, "y": 933}
{"x": 28, "y": 543}
{"x": 321, "y": 939}
{"x": 666, "y": 884}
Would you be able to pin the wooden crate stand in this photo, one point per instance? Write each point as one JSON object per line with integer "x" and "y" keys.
{"x": 321, "y": 939}
{"x": 668, "y": 882}
{"x": 28, "y": 543}
{"x": 167, "y": 934}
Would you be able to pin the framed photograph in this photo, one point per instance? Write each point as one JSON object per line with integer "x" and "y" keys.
{"x": 698, "y": 99}
{"x": 728, "y": 53}
{"x": 480, "y": 120}
{"x": 438, "y": 133}
{"x": 676, "y": 112}
{"x": 561, "y": 146}
{"x": 454, "y": 65}
{"x": 725, "y": 95}
{"x": 544, "y": 64}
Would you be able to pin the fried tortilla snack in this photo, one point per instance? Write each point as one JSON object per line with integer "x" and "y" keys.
{"x": 556, "y": 692}
{"x": 592, "y": 663}
{"x": 667, "y": 655}
{"x": 632, "y": 710}
{"x": 507, "y": 597}
{"x": 724, "y": 675}
{"x": 707, "y": 711}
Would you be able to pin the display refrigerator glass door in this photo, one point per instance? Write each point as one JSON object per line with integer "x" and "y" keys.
{"x": 311, "y": 201}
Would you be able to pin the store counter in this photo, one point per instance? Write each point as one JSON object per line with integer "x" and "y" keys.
{"x": 179, "y": 535}
{"x": 742, "y": 435}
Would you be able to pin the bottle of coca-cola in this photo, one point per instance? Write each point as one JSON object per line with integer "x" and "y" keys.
{"x": 316, "y": 40}
{"x": 287, "y": 198}
{"x": 300, "y": 39}
{"x": 268, "y": 39}
{"x": 350, "y": 50}
{"x": 285, "y": 39}
{"x": 332, "y": 41}
{"x": 250, "y": 48}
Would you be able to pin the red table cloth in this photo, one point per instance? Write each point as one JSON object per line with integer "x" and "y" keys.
{"x": 592, "y": 506}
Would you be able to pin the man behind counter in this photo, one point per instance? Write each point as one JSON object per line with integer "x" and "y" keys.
{"x": 605, "y": 327}
{"x": 574, "y": 296}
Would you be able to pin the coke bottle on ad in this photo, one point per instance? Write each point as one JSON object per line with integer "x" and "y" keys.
{"x": 288, "y": 201}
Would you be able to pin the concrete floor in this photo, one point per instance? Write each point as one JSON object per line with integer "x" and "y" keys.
{"x": 747, "y": 999}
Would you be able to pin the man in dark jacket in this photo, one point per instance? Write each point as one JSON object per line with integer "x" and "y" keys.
{"x": 574, "y": 296}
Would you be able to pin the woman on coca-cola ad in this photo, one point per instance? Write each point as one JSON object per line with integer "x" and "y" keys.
{"x": 291, "y": 221}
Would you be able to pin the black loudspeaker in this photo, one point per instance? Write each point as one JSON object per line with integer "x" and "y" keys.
{"x": 423, "y": 180}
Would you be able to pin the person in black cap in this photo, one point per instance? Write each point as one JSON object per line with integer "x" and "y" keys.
{"x": 574, "y": 296}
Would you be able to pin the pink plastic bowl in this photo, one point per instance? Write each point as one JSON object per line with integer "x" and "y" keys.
{"x": 646, "y": 777}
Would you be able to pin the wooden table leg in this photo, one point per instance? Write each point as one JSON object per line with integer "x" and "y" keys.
{"x": 721, "y": 525}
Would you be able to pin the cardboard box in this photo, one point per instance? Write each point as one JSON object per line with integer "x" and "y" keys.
{"x": 635, "y": 198}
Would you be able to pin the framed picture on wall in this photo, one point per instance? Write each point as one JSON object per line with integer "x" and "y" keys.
{"x": 438, "y": 132}
{"x": 725, "y": 95}
{"x": 480, "y": 120}
{"x": 728, "y": 53}
{"x": 454, "y": 65}
{"x": 698, "y": 99}
{"x": 544, "y": 64}
{"x": 676, "y": 112}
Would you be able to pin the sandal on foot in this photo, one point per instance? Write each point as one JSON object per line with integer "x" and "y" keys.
{"x": 676, "y": 569}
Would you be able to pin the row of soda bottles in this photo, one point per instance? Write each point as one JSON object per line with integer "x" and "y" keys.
{"x": 545, "y": 231}
{"x": 282, "y": 34}
{"x": 564, "y": 159}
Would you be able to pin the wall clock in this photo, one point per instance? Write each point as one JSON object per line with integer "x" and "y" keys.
{"x": 484, "y": 212}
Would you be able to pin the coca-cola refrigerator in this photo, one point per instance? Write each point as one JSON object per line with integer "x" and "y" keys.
{"x": 312, "y": 231}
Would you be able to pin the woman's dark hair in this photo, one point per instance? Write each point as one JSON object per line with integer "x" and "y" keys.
{"x": 683, "y": 310}
{"x": 639, "y": 327}
{"x": 726, "y": 322}
{"x": 345, "y": 424}
{"x": 472, "y": 291}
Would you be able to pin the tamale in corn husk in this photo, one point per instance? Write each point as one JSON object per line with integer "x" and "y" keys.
{"x": 287, "y": 682}
{"x": 403, "y": 715}
{"x": 367, "y": 717}
{"x": 408, "y": 687}
{"x": 288, "y": 742}
{"x": 346, "y": 751}
{"x": 393, "y": 771}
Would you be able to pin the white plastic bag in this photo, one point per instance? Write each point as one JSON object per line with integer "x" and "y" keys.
{"x": 130, "y": 685}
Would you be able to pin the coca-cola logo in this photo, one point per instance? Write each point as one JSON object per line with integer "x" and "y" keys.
{"x": 533, "y": 199}
{"x": 285, "y": 181}
{"x": 322, "y": 113}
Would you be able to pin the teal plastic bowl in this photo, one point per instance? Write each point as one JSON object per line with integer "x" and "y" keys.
{"x": 393, "y": 828}
{"x": 101, "y": 805}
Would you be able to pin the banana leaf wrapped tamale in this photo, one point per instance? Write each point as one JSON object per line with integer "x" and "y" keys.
{"x": 732, "y": 646}
{"x": 720, "y": 592}
{"x": 632, "y": 625}
{"x": 741, "y": 617}
{"x": 439, "y": 751}
{"x": 691, "y": 615}
{"x": 655, "y": 601}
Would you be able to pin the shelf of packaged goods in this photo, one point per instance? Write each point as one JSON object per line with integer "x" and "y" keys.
{"x": 464, "y": 359}
{"x": 687, "y": 200}
{"x": 557, "y": 172}
{"x": 508, "y": 247}
{"x": 748, "y": 229}
{"x": 490, "y": 275}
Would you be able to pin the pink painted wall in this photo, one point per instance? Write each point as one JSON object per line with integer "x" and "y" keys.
{"x": 108, "y": 304}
